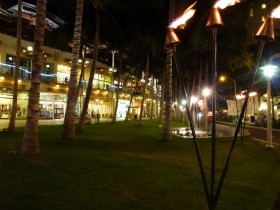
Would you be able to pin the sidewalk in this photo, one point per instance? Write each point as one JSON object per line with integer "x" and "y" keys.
{"x": 4, "y": 123}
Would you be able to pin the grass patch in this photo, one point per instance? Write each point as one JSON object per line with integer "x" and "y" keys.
{"x": 123, "y": 166}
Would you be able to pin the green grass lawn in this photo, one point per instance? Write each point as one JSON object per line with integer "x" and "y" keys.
{"x": 124, "y": 166}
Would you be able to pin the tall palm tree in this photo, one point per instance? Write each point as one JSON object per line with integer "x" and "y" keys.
{"x": 82, "y": 70}
{"x": 30, "y": 144}
{"x": 152, "y": 98}
{"x": 166, "y": 135}
{"x": 98, "y": 5}
{"x": 131, "y": 98}
{"x": 68, "y": 131}
{"x": 11, "y": 127}
{"x": 144, "y": 87}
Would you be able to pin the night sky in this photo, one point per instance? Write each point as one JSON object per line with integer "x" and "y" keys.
{"x": 132, "y": 13}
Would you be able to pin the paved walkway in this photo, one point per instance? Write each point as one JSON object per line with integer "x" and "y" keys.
{"x": 4, "y": 123}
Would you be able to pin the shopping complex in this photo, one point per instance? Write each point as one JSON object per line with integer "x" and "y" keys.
{"x": 55, "y": 76}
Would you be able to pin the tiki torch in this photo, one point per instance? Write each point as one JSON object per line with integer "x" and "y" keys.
{"x": 214, "y": 22}
{"x": 263, "y": 35}
{"x": 171, "y": 41}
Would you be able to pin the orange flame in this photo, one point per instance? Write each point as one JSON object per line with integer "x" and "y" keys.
{"x": 182, "y": 20}
{"x": 225, "y": 3}
{"x": 276, "y": 12}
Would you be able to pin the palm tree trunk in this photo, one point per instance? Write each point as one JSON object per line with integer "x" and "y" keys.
{"x": 144, "y": 89}
{"x": 68, "y": 131}
{"x": 131, "y": 98}
{"x": 156, "y": 98}
{"x": 162, "y": 97}
{"x": 30, "y": 144}
{"x": 92, "y": 71}
{"x": 152, "y": 98}
{"x": 82, "y": 71}
{"x": 167, "y": 136}
{"x": 11, "y": 127}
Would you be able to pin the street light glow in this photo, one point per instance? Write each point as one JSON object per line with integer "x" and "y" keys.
{"x": 222, "y": 78}
{"x": 194, "y": 99}
{"x": 206, "y": 92}
{"x": 269, "y": 70}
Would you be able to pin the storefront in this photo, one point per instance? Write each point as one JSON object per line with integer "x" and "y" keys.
{"x": 122, "y": 108}
{"x": 6, "y": 101}
{"x": 52, "y": 106}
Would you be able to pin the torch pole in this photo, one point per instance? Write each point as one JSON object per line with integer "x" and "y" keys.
{"x": 214, "y": 21}
{"x": 214, "y": 77}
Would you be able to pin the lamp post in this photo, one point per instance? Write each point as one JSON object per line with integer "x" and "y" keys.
{"x": 223, "y": 78}
{"x": 268, "y": 71}
{"x": 112, "y": 70}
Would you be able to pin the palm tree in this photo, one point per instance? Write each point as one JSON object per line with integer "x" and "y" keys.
{"x": 69, "y": 120}
{"x": 82, "y": 70}
{"x": 151, "y": 92}
{"x": 98, "y": 5}
{"x": 144, "y": 87}
{"x": 11, "y": 127}
{"x": 166, "y": 135}
{"x": 131, "y": 98}
{"x": 30, "y": 144}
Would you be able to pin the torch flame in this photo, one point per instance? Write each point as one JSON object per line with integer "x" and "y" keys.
{"x": 225, "y": 3}
{"x": 181, "y": 21}
{"x": 276, "y": 12}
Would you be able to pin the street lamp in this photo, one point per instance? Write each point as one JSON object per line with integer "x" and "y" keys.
{"x": 268, "y": 71}
{"x": 113, "y": 70}
{"x": 223, "y": 78}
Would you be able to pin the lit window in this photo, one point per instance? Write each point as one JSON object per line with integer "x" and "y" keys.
{"x": 251, "y": 12}
{"x": 29, "y": 48}
{"x": 263, "y": 6}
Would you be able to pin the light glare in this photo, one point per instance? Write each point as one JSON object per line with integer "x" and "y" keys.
{"x": 225, "y": 3}
{"x": 269, "y": 70}
{"x": 276, "y": 12}
{"x": 181, "y": 21}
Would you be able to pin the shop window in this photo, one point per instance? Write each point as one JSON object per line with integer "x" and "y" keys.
{"x": 4, "y": 111}
{"x": 63, "y": 74}
{"x": 58, "y": 111}
{"x": 25, "y": 66}
{"x": 47, "y": 73}
{"x": 100, "y": 82}
{"x": 46, "y": 110}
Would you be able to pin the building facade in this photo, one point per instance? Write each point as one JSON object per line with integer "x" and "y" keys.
{"x": 54, "y": 81}
{"x": 55, "y": 76}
